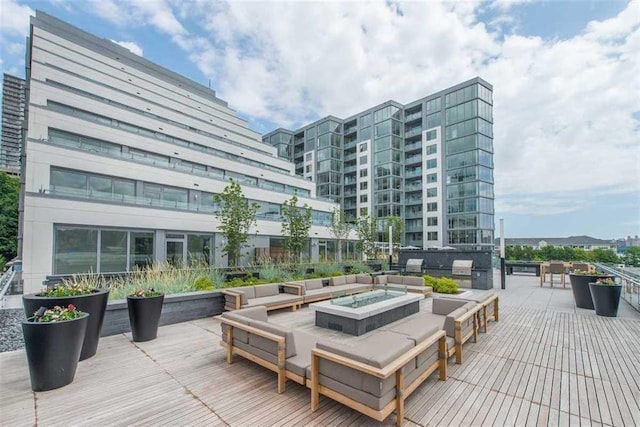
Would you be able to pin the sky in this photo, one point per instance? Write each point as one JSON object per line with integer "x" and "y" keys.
{"x": 566, "y": 78}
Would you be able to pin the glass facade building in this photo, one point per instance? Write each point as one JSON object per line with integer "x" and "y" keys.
{"x": 429, "y": 162}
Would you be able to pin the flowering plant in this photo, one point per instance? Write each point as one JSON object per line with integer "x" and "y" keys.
{"x": 605, "y": 281}
{"x": 57, "y": 314}
{"x": 146, "y": 293}
{"x": 66, "y": 290}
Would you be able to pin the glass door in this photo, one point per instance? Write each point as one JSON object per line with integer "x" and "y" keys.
{"x": 176, "y": 253}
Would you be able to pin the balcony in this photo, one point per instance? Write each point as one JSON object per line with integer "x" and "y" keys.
{"x": 413, "y": 146}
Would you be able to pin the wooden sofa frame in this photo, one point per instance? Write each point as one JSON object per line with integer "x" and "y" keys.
{"x": 278, "y": 368}
{"x": 238, "y": 299}
{"x": 394, "y": 368}
{"x": 460, "y": 339}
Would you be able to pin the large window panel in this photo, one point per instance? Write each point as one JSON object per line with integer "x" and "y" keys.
{"x": 140, "y": 250}
{"x": 113, "y": 251}
{"x": 68, "y": 182}
{"x": 75, "y": 250}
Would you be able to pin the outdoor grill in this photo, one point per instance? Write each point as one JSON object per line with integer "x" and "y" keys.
{"x": 414, "y": 265}
{"x": 462, "y": 267}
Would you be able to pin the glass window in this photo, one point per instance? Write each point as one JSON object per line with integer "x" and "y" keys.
{"x": 198, "y": 250}
{"x": 140, "y": 250}
{"x": 432, "y": 206}
{"x": 364, "y": 198}
{"x": 113, "y": 251}
{"x": 432, "y": 149}
{"x": 68, "y": 182}
{"x": 382, "y": 129}
{"x": 434, "y": 120}
{"x": 432, "y": 235}
{"x": 432, "y": 192}
{"x": 432, "y": 221}
{"x": 363, "y": 147}
{"x": 364, "y": 185}
{"x": 363, "y": 160}
{"x": 100, "y": 186}
{"x": 432, "y": 177}
{"x": 75, "y": 250}
{"x": 432, "y": 134}
{"x": 433, "y": 105}
{"x": 363, "y": 173}
{"x": 365, "y": 134}
{"x": 432, "y": 163}
{"x": 365, "y": 121}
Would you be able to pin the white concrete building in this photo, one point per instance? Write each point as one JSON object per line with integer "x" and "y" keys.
{"x": 123, "y": 157}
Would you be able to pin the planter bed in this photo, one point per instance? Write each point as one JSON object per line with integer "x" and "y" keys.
{"x": 176, "y": 308}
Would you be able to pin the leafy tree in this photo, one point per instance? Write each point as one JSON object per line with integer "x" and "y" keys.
{"x": 367, "y": 233}
{"x": 296, "y": 223}
{"x": 632, "y": 257}
{"x": 339, "y": 229}
{"x": 605, "y": 255}
{"x": 9, "y": 191}
{"x": 236, "y": 216}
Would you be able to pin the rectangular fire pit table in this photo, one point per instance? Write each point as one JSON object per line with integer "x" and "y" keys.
{"x": 361, "y": 313}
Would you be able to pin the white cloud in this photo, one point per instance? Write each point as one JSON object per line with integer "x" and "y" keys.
{"x": 132, "y": 46}
{"x": 14, "y": 18}
{"x": 507, "y": 4}
{"x": 562, "y": 108}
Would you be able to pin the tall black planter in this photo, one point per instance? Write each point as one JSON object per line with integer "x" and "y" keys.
{"x": 606, "y": 299}
{"x": 94, "y": 303}
{"x": 144, "y": 316}
{"x": 580, "y": 288}
{"x": 53, "y": 350}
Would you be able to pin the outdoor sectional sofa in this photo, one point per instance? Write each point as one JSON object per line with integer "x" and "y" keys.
{"x": 313, "y": 290}
{"x": 485, "y": 300}
{"x": 373, "y": 376}
{"x": 414, "y": 284}
{"x": 263, "y": 295}
{"x": 248, "y": 333}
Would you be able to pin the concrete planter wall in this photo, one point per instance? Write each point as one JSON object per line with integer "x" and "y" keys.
{"x": 175, "y": 309}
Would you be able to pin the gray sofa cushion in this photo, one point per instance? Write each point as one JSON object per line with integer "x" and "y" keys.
{"x": 370, "y": 400}
{"x": 266, "y": 290}
{"x": 412, "y": 280}
{"x": 449, "y": 322}
{"x": 417, "y": 329}
{"x": 243, "y": 316}
{"x": 340, "y": 280}
{"x": 313, "y": 284}
{"x": 268, "y": 345}
{"x": 349, "y": 288}
{"x": 364, "y": 279}
{"x": 444, "y": 306}
{"x": 272, "y": 300}
{"x": 299, "y": 363}
{"x": 246, "y": 292}
{"x": 426, "y": 358}
{"x": 395, "y": 279}
{"x": 377, "y": 350}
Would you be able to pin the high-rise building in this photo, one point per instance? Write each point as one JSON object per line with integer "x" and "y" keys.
{"x": 429, "y": 162}
{"x": 124, "y": 158}
{"x": 13, "y": 103}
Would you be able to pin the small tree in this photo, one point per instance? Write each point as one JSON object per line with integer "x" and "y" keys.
{"x": 296, "y": 223}
{"x": 632, "y": 257}
{"x": 236, "y": 216}
{"x": 339, "y": 229}
{"x": 367, "y": 233}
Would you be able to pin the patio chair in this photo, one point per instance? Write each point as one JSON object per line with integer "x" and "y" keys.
{"x": 557, "y": 268}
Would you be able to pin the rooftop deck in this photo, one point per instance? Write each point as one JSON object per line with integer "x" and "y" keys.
{"x": 544, "y": 362}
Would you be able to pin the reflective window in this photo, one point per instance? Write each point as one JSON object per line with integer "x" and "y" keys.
{"x": 75, "y": 250}
{"x": 113, "y": 251}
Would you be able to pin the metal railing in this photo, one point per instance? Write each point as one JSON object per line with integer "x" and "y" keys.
{"x": 630, "y": 281}
{"x": 5, "y": 283}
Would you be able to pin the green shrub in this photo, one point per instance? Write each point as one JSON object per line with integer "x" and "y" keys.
{"x": 442, "y": 285}
{"x": 3, "y": 264}
{"x": 203, "y": 283}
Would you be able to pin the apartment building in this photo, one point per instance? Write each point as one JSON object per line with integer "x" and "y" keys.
{"x": 429, "y": 162}
{"x": 123, "y": 158}
{"x": 13, "y": 100}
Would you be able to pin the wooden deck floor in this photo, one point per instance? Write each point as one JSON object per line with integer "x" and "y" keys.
{"x": 544, "y": 363}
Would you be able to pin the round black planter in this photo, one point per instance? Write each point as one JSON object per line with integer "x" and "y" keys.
{"x": 94, "y": 303}
{"x": 53, "y": 350}
{"x": 606, "y": 299}
{"x": 144, "y": 316}
{"x": 580, "y": 288}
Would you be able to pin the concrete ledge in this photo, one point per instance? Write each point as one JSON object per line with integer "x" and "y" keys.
{"x": 176, "y": 308}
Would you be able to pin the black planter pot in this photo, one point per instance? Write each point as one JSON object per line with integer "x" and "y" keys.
{"x": 94, "y": 303}
{"x": 606, "y": 299}
{"x": 144, "y": 316}
{"x": 580, "y": 288}
{"x": 53, "y": 350}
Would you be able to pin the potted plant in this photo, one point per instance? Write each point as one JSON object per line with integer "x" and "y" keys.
{"x": 53, "y": 340}
{"x": 580, "y": 287}
{"x": 606, "y": 296}
{"x": 145, "y": 307}
{"x": 84, "y": 297}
